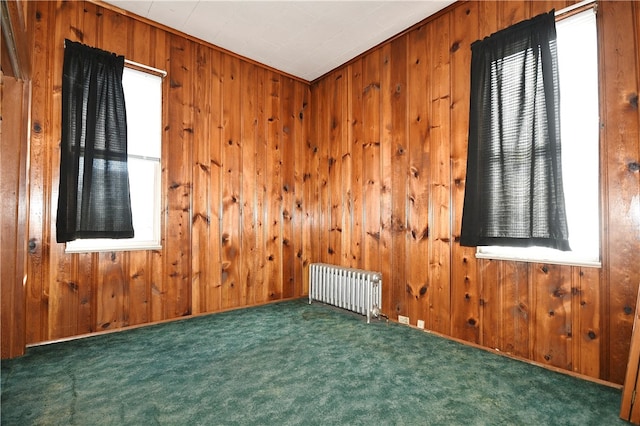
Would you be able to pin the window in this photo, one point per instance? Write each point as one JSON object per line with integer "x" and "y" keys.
{"x": 579, "y": 112}
{"x": 143, "y": 97}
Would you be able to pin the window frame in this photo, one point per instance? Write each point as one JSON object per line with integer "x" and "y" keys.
{"x": 97, "y": 245}
{"x": 546, "y": 255}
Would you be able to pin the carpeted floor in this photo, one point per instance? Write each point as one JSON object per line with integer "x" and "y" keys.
{"x": 289, "y": 363}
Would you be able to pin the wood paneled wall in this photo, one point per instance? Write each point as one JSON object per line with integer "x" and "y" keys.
{"x": 232, "y": 184}
{"x": 263, "y": 174}
{"x": 13, "y": 187}
{"x": 14, "y": 118}
{"x": 391, "y": 135}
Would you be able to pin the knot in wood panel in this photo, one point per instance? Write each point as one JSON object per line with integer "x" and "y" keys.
{"x": 375, "y": 235}
{"x": 409, "y": 289}
{"x": 559, "y": 292}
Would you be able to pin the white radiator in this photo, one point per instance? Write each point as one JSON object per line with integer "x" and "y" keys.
{"x": 353, "y": 289}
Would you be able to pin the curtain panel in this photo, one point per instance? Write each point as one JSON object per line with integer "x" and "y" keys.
{"x": 514, "y": 194}
{"x": 94, "y": 199}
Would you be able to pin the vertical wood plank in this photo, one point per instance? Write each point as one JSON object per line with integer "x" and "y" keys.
{"x": 139, "y": 288}
{"x": 177, "y": 246}
{"x": 39, "y": 202}
{"x": 440, "y": 211}
{"x": 386, "y": 176}
{"x": 418, "y": 176}
{"x": 512, "y": 12}
{"x": 586, "y": 322}
{"x": 302, "y": 223}
{"x": 552, "y": 299}
{"x": 202, "y": 168}
{"x": 488, "y": 15}
{"x": 84, "y": 271}
{"x": 249, "y": 159}
{"x": 544, "y": 6}
{"x": 112, "y": 285}
{"x": 288, "y": 186}
{"x": 490, "y": 279}
{"x": 371, "y": 173}
{"x": 346, "y": 171}
{"x": 310, "y": 188}
{"x": 213, "y": 297}
{"x": 356, "y": 139}
{"x": 13, "y": 186}
{"x": 399, "y": 175}
{"x": 465, "y": 291}
{"x": 231, "y": 183}
{"x": 335, "y": 201}
{"x": 322, "y": 134}
{"x": 261, "y": 272}
{"x": 160, "y": 45}
{"x": 273, "y": 194}
{"x": 516, "y": 307}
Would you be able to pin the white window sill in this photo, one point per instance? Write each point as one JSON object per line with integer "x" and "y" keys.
{"x": 112, "y": 246}
{"x": 559, "y": 260}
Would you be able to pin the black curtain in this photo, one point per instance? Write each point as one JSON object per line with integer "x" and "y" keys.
{"x": 94, "y": 200}
{"x": 514, "y": 194}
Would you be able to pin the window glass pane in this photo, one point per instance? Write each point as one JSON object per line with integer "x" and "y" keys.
{"x": 578, "y": 63}
{"x": 144, "y": 179}
{"x": 143, "y": 97}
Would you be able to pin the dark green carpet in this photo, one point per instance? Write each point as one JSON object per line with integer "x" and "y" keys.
{"x": 289, "y": 363}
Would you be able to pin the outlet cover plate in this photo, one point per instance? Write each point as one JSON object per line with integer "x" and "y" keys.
{"x": 403, "y": 320}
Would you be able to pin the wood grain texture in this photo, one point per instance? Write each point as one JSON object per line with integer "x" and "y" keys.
{"x": 415, "y": 92}
{"x": 13, "y": 186}
{"x": 389, "y": 304}
{"x": 221, "y": 119}
{"x": 465, "y": 290}
{"x": 418, "y": 176}
{"x": 371, "y": 161}
{"x": 263, "y": 174}
{"x": 16, "y": 64}
{"x": 620, "y": 156}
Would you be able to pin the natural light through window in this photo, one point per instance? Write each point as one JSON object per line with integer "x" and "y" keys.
{"x": 143, "y": 98}
{"x": 578, "y": 68}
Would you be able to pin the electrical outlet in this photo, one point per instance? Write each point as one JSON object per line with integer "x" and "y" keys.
{"x": 421, "y": 324}
{"x": 403, "y": 320}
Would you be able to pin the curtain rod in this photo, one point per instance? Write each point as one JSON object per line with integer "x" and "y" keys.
{"x": 144, "y": 67}
{"x": 574, "y": 7}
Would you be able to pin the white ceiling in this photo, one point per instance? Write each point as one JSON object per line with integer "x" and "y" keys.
{"x": 302, "y": 38}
